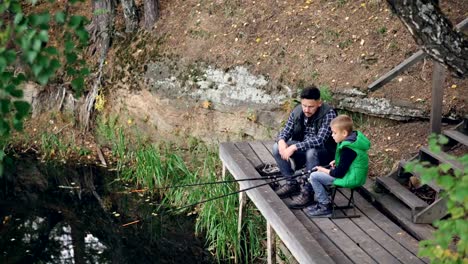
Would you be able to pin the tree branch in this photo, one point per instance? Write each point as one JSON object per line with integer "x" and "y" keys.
{"x": 434, "y": 33}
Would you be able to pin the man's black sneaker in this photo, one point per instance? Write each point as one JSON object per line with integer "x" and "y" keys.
{"x": 287, "y": 189}
{"x": 304, "y": 199}
{"x": 320, "y": 210}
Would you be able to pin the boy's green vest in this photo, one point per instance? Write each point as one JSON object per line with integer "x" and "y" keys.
{"x": 357, "y": 173}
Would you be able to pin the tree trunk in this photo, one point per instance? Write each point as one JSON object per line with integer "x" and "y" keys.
{"x": 100, "y": 30}
{"x": 151, "y": 13}
{"x": 434, "y": 33}
{"x": 130, "y": 14}
{"x": 101, "y": 25}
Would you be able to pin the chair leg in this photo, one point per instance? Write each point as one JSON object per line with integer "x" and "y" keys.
{"x": 351, "y": 205}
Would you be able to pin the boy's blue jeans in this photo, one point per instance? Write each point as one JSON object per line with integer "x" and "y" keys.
{"x": 319, "y": 180}
{"x": 310, "y": 158}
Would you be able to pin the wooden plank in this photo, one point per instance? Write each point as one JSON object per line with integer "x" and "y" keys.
{"x": 271, "y": 244}
{"x": 400, "y": 214}
{"x": 364, "y": 241}
{"x": 353, "y": 251}
{"x": 462, "y": 25}
{"x": 435, "y": 211}
{"x": 388, "y": 226}
{"x": 441, "y": 157}
{"x": 333, "y": 251}
{"x": 387, "y": 77}
{"x": 249, "y": 153}
{"x": 379, "y": 236}
{"x": 294, "y": 235}
{"x": 263, "y": 152}
{"x": 405, "y": 195}
{"x": 457, "y": 136}
{"x": 438, "y": 81}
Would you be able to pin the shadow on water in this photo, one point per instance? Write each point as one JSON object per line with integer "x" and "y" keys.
{"x": 74, "y": 214}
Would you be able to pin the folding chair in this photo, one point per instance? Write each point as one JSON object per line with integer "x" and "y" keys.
{"x": 351, "y": 204}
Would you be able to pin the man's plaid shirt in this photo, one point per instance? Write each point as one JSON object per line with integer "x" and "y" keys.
{"x": 311, "y": 140}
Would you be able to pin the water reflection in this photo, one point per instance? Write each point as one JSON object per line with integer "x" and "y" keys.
{"x": 59, "y": 214}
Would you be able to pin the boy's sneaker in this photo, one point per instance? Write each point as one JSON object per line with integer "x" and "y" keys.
{"x": 304, "y": 199}
{"x": 287, "y": 189}
{"x": 320, "y": 210}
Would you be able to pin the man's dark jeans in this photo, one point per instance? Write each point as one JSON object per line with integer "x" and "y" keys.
{"x": 310, "y": 159}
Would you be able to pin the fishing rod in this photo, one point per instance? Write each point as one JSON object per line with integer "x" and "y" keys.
{"x": 271, "y": 177}
{"x": 295, "y": 175}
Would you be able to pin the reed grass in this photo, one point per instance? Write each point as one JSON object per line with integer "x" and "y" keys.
{"x": 153, "y": 166}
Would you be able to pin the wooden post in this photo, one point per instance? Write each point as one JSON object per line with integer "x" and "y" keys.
{"x": 438, "y": 80}
{"x": 271, "y": 244}
{"x": 223, "y": 173}
{"x": 242, "y": 202}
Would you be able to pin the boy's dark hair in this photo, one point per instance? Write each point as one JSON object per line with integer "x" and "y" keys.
{"x": 310, "y": 92}
{"x": 343, "y": 122}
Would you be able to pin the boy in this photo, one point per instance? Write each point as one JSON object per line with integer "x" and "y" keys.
{"x": 349, "y": 169}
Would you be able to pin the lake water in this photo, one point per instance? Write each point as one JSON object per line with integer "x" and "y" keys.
{"x": 53, "y": 213}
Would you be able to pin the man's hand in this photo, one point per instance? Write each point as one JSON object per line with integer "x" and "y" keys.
{"x": 287, "y": 153}
{"x": 282, "y": 146}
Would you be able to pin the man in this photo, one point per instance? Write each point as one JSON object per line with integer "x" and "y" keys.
{"x": 304, "y": 140}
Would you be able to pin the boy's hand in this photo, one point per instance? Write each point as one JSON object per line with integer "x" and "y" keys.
{"x": 332, "y": 164}
{"x": 322, "y": 169}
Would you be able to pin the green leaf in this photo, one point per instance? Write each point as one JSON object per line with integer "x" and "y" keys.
{"x": 77, "y": 84}
{"x": 31, "y": 56}
{"x": 18, "y": 18}
{"x": 10, "y": 56}
{"x": 4, "y": 128}
{"x": 51, "y": 50}
{"x": 71, "y": 71}
{"x": 18, "y": 124}
{"x": 445, "y": 167}
{"x": 40, "y": 19}
{"x": 3, "y": 63}
{"x": 22, "y": 108}
{"x": 17, "y": 93}
{"x": 36, "y": 69}
{"x": 71, "y": 57}
{"x": 43, "y": 36}
{"x": 446, "y": 181}
{"x": 82, "y": 35}
{"x": 43, "y": 78}
{"x": 69, "y": 46}
{"x": 60, "y": 17}
{"x": 15, "y": 7}
{"x": 75, "y": 21}
{"x": 54, "y": 64}
{"x": 5, "y": 106}
{"x": 84, "y": 71}
{"x": 37, "y": 44}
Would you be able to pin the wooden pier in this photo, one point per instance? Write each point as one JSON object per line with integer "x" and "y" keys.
{"x": 371, "y": 238}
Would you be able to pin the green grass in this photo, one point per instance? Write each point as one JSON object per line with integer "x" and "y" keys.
{"x": 167, "y": 164}
{"x": 325, "y": 93}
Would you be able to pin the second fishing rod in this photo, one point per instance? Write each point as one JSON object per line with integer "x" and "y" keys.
{"x": 297, "y": 174}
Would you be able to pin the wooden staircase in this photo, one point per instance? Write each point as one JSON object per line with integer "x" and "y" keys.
{"x": 420, "y": 211}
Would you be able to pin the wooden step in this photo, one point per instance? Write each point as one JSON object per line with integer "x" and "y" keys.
{"x": 406, "y": 196}
{"x": 437, "y": 158}
{"x": 431, "y": 184}
{"x": 398, "y": 212}
{"x": 437, "y": 210}
{"x": 457, "y": 136}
